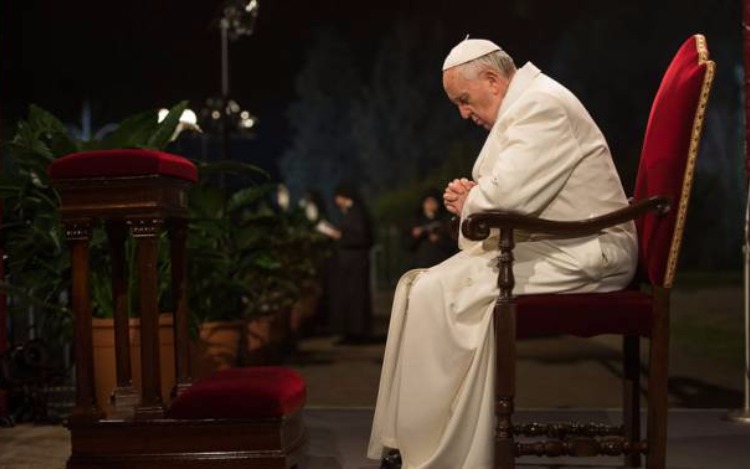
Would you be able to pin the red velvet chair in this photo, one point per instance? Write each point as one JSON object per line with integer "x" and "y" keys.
{"x": 659, "y": 208}
{"x": 236, "y": 418}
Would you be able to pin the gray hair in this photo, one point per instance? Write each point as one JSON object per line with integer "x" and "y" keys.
{"x": 497, "y": 60}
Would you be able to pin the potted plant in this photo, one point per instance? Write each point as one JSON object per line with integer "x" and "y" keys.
{"x": 38, "y": 263}
{"x": 282, "y": 282}
{"x": 221, "y": 248}
{"x": 249, "y": 261}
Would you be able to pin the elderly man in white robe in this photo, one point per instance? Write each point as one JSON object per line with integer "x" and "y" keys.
{"x": 544, "y": 156}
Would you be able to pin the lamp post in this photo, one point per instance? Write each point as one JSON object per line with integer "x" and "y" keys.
{"x": 237, "y": 20}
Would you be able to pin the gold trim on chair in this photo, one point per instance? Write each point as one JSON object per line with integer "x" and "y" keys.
{"x": 695, "y": 138}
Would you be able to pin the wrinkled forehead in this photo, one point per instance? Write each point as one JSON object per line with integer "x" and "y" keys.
{"x": 454, "y": 83}
{"x": 452, "y": 77}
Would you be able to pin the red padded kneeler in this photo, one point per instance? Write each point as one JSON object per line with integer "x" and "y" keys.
{"x": 122, "y": 163}
{"x": 242, "y": 393}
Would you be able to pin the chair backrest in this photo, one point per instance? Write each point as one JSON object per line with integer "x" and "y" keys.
{"x": 670, "y": 148}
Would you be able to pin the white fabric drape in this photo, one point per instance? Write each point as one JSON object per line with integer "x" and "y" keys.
{"x": 544, "y": 156}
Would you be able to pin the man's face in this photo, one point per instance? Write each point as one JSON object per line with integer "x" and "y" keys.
{"x": 341, "y": 201}
{"x": 430, "y": 205}
{"x": 477, "y": 99}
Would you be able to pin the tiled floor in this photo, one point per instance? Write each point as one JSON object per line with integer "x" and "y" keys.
{"x": 698, "y": 439}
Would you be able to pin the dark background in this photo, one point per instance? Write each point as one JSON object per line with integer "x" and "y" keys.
{"x": 126, "y": 57}
{"x": 141, "y": 53}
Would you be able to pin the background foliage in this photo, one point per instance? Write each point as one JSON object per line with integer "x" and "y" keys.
{"x": 396, "y": 134}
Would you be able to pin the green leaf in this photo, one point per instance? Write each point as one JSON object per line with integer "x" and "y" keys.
{"x": 235, "y": 168}
{"x": 44, "y": 121}
{"x": 207, "y": 201}
{"x": 133, "y": 131}
{"x": 248, "y": 197}
{"x": 251, "y": 236}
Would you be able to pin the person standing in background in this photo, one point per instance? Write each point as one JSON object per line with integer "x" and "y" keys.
{"x": 350, "y": 293}
{"x": 428, "y": 237}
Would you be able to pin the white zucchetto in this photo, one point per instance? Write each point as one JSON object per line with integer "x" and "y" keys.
{"x": 468, "y": 50}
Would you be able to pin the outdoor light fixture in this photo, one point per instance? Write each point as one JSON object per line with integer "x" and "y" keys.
{"x": 222, "y": 114}
{"x": 218, "y": 113}
{"x": 239, "y": 18}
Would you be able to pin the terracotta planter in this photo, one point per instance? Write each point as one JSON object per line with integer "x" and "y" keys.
{"x": 266, "y": 338}
{"x": 216, "y": 348}
{"x": 105, "y": 377}
{"x": 304, "y": 310}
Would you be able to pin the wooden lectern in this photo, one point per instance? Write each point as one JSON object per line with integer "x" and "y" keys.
{"x": 236, "y": 418}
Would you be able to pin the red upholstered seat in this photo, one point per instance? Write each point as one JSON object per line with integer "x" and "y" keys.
{"x": 625, "y": 312}
{"x": 242, "y": 393}
{"x": 122, "y": 162}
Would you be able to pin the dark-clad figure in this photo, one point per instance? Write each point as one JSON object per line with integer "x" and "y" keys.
{"x": 428, "y": 237}
{"x": 350, "y": 295}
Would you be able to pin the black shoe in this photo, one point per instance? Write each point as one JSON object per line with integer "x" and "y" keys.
{"x": 392, "y": 460}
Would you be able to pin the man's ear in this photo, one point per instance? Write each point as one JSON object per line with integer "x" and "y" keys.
{"x": 494, "y": 78}
{"x": 491, "y": 76}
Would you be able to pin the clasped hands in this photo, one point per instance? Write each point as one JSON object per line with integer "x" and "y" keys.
{"x": 455, "y": 194}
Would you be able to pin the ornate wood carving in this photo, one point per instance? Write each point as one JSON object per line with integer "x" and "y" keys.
{"x": 505, "y": 341}
{"x": 563, "y": 429}
{"x": 78, "y": 233}
{"x": 145, "y": 227}
{"x": 581, "y": 447}
{"x": 146, "y": 231}
{"x": 78, "y": 229}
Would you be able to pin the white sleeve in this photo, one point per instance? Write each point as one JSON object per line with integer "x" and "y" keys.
{"x": 538, "y": 152}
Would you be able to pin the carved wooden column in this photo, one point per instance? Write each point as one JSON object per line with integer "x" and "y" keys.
{"x": 124, "y": 397}
{"x": 78, "y": 234}
{"x": 178, "y": 239}
{"x": 146, "y": 232}
{"x": 505, "y": 340}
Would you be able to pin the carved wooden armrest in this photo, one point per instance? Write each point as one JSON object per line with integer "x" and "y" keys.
{"x": 477, "y": 225}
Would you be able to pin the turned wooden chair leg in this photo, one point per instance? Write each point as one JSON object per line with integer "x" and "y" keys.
{"x": 505, "y": 445}
{"x": 631, "y": 418}
{"x": 505, "y": 344}
{"x": 658, "y": 391}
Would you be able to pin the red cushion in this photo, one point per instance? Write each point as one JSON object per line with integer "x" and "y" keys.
{"x": 625, "y": 312}
{"x": 241, "y": 393}
{"x": 125, "y": 162}
{"x": 665, "y": 153}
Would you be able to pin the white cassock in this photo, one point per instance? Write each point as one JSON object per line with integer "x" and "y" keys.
{"x": 546, "y": 157}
